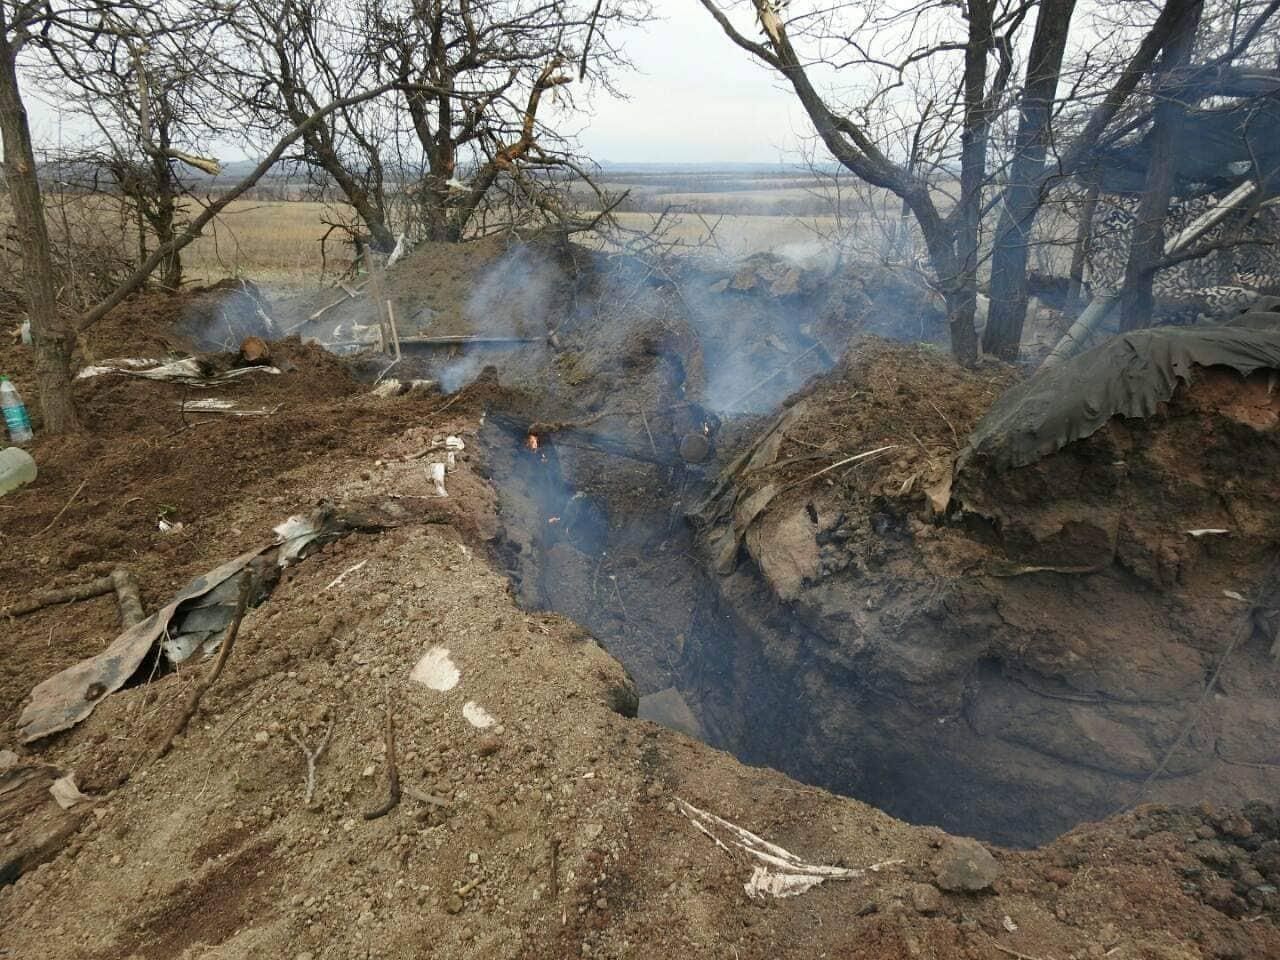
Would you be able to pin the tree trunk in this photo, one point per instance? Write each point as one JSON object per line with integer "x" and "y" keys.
{"x": 1146, "y": 246}
{"x": 1008, "y": 310}
{"x": 962, "y": 302}
{"x": 52, "y": 336}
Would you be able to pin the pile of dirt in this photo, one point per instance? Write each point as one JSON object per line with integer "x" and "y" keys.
{"x": 1036, "y": 659}
{"x": 536, "y": 817}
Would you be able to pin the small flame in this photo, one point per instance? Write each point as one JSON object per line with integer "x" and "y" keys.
{"x": 531, "y": 441}
{"x": 553, "y": 520}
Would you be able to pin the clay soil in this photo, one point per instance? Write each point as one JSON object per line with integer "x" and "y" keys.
{"x": 552, "y": 832}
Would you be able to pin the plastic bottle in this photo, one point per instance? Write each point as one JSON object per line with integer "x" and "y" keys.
{"x": 15, "y": 413}
{"x": 16, "y": 469}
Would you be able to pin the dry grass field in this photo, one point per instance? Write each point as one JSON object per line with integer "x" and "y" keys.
{"x": 278, "y": 242}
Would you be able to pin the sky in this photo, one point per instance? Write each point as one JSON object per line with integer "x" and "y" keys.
{"x": 693, "y": 97}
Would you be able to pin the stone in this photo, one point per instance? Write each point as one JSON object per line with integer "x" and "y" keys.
{"x": 454, "y": 904}
{"x": 926, "y": 898}
{"x": 965, "y": 865}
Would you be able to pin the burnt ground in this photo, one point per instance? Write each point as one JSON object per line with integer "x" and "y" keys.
{"x": 553, "y": 832}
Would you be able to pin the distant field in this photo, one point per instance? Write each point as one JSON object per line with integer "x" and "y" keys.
{"x": 279, "y": 241}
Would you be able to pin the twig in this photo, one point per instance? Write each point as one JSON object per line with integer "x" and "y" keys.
{"x": 57, "y": 516}
{"x": 645, "y": 420}
{"x": 555, "y": 868}
{"x": 393, "y": 773}
{"x": 1010, "y": 952}
{"x": 313, "y": 758}
{"x": 840, "y": 463}
{"x": 343, "y": 575}
{"x": 202, "y": 687}
{"x": 954, "y": 436}
{"x": 391, "y": 322}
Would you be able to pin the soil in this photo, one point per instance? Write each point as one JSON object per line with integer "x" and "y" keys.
{"x": 1044, "y": 650}
{"x": 554, "y": 831}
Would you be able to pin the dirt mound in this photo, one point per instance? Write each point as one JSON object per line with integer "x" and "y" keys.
{"x": 536, "y": 818}
{"x": 1038, "y": 659}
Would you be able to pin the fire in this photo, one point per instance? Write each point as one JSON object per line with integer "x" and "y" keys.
{"x": 531, "y": 441}
{"x": 553, "y": 520}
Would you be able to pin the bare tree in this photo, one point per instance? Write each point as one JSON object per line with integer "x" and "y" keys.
{"x": 983, "y": 47}
{"x": 474, "y": 78}
{"x": 155, "y": 101}
{"x": 895, "y": 50}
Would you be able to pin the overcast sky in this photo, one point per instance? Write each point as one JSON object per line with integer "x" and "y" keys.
{"x": 693, "y": 97}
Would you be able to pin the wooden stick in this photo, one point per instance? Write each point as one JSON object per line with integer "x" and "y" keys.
{"x": 462, "y": 341}
{"x": 119, "y": 580}
{"x": 59, "y": 514}
{"x": 126, "y": 588}
{"x": 393, "y": 773}
{"x": 207, "y": 681}
{"x": 555, "y": 868}
{"x": 313, "y": 758}
{"x": 391, "y": 322}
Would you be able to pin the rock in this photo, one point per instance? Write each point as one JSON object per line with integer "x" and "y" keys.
{"x": 454, "y": 904}
{"x": 926, "y": 898}
{"x": 488, "y": 746}
{"x": 965, "y": 865}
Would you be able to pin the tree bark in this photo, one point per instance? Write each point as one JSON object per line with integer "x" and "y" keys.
{"x": 53, "y": 339}
{"x": 1008, "y": 310}
{"x": 1146, "y": 246}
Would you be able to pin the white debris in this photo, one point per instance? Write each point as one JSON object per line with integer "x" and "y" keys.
{"x": 295, "y": 535}
{"x": 783, "y": 874}
{"x": 164, "y": 526}
{"x": 213, "y": 405}
{"x": 436, "y": 670}
{"x": 435, "y": 471}
{"x": 65, "y": 792}
{"x": 477, "y": 715}
{"x": 187, "y": 370}
{"x": 1008, "y": 924}
{"x": 1206, "y": 531}
{"x": 402, "y": 247}
{"x": 764, "y": 882}
{"x": 454, "y": 443}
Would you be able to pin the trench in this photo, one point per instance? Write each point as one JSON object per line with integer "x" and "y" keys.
{"x": 940, "y": 696}
{"x": 606, "y": 541}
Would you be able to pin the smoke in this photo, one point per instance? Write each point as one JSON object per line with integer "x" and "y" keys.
{"x": 518, "y": 296}
{"x": 219, "y": 318}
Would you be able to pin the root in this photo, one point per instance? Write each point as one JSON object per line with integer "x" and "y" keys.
{"x": 120, "y": 581}
{"x": 393, "y": 773}
{"x": 313, "y": 758}
{"x": 207, "y": 681}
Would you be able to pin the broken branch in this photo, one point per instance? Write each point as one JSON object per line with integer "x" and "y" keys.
{"x": 393, "y": 774}
{"x": 205, "y": 682}
{"x": 119, "y": 580}
{"x": 313, "y": 758}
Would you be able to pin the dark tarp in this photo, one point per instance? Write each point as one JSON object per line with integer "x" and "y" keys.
{"x": 1127, "y": 376}
{"x": 1222, "y": 147}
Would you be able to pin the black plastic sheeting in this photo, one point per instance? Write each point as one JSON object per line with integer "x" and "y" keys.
{"x": 1128, "y": 376}
{"x": 1221, "y": 148}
